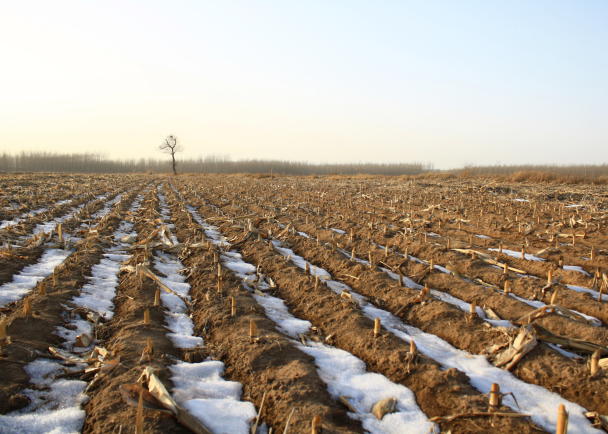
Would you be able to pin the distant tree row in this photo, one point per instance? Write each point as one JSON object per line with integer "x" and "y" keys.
{"x": 580, "y": 170}
{"x": 42, "y": 161}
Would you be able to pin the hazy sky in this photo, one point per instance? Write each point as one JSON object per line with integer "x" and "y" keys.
{"x": 447, "y": 82}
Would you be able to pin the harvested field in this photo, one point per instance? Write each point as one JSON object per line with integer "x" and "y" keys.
{"x": 227, "y": 304}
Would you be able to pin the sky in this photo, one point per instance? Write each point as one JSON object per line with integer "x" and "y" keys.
{"x": 450, "y": 83}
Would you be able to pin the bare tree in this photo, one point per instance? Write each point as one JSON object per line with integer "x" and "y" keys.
{"x": 171, "y": 147}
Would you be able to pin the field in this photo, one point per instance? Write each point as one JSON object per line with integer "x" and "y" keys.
{"x": 240, "y": 304}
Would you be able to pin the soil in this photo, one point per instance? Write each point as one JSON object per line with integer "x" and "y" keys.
{"x": 417, "y": 217}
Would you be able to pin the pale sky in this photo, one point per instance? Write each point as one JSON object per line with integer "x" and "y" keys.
{"x": 446, "y": 82}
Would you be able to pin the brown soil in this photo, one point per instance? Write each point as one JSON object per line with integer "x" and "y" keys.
{"x": 542, "y": 366}
{"x": 36, "y": 331}
{"x": 438, "y": 392}
{"x": 392, "y": 212}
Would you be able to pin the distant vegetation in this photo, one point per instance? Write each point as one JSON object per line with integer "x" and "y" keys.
{"x": 42, "y": 161}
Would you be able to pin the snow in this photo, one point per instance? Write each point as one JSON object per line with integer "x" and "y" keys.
{"x": 58, "y": 409}
{"x": 100, "y": 290}
{"x": 199, "y": 387}
{"x": 594, "y": 294}
{"x": 180, "y": 324}
{"x": 24, "y": 216}
{"x": 538, "y": 304}
{"x": 564, "y": 352}
{"x": 343, "y": 373}
{"x": 201, "y": 390}
{"x": 532, "y": 399}
{"x": 516, "y": 254}
{"x": 28, "y": 277}
{"x": 277, "y": 311}
{"x": 98, "y": 294}
{"x": 576, "y": 268}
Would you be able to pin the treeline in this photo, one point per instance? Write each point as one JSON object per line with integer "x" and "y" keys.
{"x": 42, "y": 161}
{"x": 552, "y": 170}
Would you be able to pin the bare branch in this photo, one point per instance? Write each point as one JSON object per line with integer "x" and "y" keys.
{"x": 171, "y": 146}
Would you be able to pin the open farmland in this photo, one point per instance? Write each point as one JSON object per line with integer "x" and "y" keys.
{"x": 234, "y": 304}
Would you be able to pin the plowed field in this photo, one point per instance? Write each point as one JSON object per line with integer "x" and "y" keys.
{"x": 234, "y": 304}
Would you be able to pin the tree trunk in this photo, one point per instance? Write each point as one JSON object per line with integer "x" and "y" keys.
{"x": 174, "y": 171}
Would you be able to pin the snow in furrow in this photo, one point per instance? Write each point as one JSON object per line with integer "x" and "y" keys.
{"x": 343, "y": 373}
{"x": 534, "y": 400}
{"x": 24, "y": 216}
{"x": 515, "y": 254}
{"x": 466, "y": 306}
{"x": 592, "y": 292}
{"x": 576, "y": 268}
{"x": 99, "y": 293}
{"x": 198, "y": 387}
{"x": 52, "y": 224}
{"x": 58, "y": 410}
{"x": 27, "y": 278}
{"x": 447, "y": 298}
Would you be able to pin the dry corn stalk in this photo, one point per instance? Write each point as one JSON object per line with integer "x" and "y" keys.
{"x": 147, "y": 354}
{"x": 232, "y": 307}
{"x": 83, "y": 340}
{"x": 253, "y": 330}
{"x": 147, "y": 317}
{"x": 3, "y": 336}
{"x": 27, "y": 306}
{"x": 160, "y": 396}
{"x": 42, "y": 288}
{"x": 143, "y": 271}
{"x": 139, "y": 423}
{"x": 494, "y": 397}
{"x": 157, "y": 298}
{"x": 317, "y": 425}
{"x": 384, "y": 407}
{"x": 594, "y": 365}
{"x": 562, "y": 420}
{"x": 472, "y": 311}
{"x": 576, "y": 344}
{"x": 345, "y": 400}
{"x": 131, "y": 392}
{"x": 270, "y": 374}
{"x": 554, "y": 297}
{"x": 523, "y": 344}
{"x": 598, "y": 419}
{"x": 377, "y": 327}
